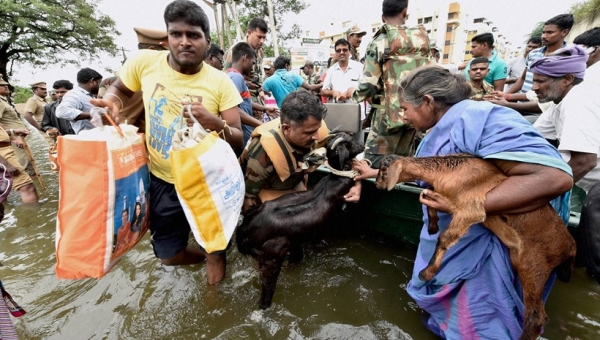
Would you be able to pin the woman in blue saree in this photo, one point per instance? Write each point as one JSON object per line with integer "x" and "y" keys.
{"x": 475, "y": 294}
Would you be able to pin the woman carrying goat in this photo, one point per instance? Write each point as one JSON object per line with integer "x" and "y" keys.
{"x": 475, "y": 293}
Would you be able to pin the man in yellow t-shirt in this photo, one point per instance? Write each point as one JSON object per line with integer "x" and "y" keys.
{"x": 168, "y": 79}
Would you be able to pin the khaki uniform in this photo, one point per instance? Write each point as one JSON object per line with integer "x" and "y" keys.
{"x": 255, "y": 77}
{"x": 354, "y": 53}
{"x": 6, "y": 151}
{"x": 10, "y": 120}
{"x": 35, "y": 105}
{"x": 271, "y": 164}
{"x": 478, "y": 94}
{"x": 410, "y": 49}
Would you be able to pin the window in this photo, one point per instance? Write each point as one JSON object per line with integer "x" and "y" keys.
{"x": 467, "y": 52}
{"x": 449, "y": 29}
{"x": 420, "y": 21}
{"x": 428, "y": 31}
{"x": 428, "y": 20}
{"x": 451, "y": 15}
{"x": 447, "y": 42}
{"x": 445, "y": 56}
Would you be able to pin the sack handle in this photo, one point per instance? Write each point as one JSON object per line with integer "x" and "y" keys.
{"x": 188, "y": 107}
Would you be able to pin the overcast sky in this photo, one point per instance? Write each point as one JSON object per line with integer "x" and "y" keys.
{"x": 514, "y": 18}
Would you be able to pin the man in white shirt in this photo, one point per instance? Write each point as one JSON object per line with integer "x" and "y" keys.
{"x": 342, "y": 78}
{"x": 75, "y": 105}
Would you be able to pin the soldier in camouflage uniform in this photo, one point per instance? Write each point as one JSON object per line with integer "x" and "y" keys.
{"x": 272, "y": 159}
{"x": 309, "y": 73}
{"x": 478, "y": 70}
{"x": 255, "y": 37}
{"x": 354, "y": 35}
{"x": 395, "y": 51}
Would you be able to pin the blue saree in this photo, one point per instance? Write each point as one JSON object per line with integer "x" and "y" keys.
{"x": 475, "y": 294}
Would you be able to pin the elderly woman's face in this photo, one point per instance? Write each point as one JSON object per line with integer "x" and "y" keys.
{"x": 421, "y": 117}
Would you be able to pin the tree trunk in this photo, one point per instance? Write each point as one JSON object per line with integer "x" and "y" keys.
{"x": 225, "y": 21}
{"x": 236, "y": 20}
{"x": 272, "y": 28}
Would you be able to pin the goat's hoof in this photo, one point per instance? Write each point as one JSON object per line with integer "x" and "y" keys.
{"x": 264, "y": 305}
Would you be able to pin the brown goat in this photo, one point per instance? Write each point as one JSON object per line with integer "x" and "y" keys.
{"x": 538, "y": 241}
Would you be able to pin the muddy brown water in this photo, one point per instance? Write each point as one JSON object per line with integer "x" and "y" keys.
{"x": 351, "y": 287}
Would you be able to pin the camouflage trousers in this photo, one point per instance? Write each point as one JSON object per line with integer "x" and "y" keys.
{"x": 382, "y": 141}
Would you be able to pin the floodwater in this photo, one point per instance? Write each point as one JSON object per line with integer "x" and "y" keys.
{"x": 350, "y": 287}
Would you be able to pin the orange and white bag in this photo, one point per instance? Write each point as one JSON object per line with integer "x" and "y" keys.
{"x": 103, "y": 199}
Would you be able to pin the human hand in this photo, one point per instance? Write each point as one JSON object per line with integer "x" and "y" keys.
{"x": 365, "y": 170}
{"x": 21, "y": 132}
{"x": 435, "y": 201}
{"x": 353, "y": 196}
{"x": 350, "y": 92}
{"x": 251, "y": 85}
{"x": 18, "y": 141}
{"x": 111, "y": 107}
{"x": 206, "y": 119}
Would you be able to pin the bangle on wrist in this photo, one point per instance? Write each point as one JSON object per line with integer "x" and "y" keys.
{"x": 114, "y": 95}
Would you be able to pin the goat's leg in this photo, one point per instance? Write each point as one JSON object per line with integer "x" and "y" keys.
{"x": 433, "y": 227}
{"x": 533, "y": 279}
{"x": 461, "y": 222}
{"x": 269, "y": 267}
{"x": 296, "y": 252}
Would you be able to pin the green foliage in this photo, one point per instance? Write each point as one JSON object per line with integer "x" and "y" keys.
{"x": 48, "y": 32}
{"x": 586, "y": 11}
{"x": 537, "y": 31}
{"x": 21, "y": 94}
{"x": 248, "y": 9}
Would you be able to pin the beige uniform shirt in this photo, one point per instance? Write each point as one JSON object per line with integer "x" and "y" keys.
{"x": 36, "y": 105}
{"x": 8, "y": 116}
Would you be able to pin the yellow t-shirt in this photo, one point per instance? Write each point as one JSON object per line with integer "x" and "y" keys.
{"x": 163, "y": 89}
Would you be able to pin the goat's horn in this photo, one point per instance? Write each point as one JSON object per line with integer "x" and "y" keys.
{"x": 336, "y": 142}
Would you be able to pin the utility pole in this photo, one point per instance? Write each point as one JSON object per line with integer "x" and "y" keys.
{"x": 123, "y": 50}
{"x": 272, "y": 27}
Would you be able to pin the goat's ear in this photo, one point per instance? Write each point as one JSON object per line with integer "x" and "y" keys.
{"x": 393, "y": 173}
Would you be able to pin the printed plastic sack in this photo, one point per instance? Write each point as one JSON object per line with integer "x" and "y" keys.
{"x": 103, "y": 200}
{"x": 209, "y": 183}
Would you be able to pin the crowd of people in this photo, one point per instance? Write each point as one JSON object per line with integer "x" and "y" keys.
{"x": 535, "y": 117}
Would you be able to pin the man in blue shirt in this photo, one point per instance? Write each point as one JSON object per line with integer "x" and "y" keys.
{"x": 553, "y": 38}
{"x": 243, "y": 60}
{"x": 482, "y": 45}
{"x": 282, "y": 82}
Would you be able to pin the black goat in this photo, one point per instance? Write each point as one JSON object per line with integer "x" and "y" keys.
{"x": 278, "y": 228}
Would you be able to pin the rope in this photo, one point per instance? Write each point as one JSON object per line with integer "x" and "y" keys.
{"x": 347, "y": 173}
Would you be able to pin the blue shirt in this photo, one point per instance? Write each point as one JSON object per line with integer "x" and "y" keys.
{"x": 498, "y": 69}
{"x": 72, "y": 105}
{"x": 531, "y": 57}
{"x": 281, "y": 83}
{"x": 246, "y": 104}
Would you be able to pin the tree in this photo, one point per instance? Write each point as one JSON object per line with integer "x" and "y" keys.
{"x": 537, "y": 31}
{"x": 21, "y": 94}
{"x": 46, "y": 32}
{"x": 242, "y": 11}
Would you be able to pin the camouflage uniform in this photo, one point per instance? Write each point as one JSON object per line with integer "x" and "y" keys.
{"x": 255, "y": 78}
{"x": 353, "y": 53}
{"x": 385, "y": 65}
{"x": 270, "y": 162}
{"x": 477, "y": 94}
{"x": 312, "y": 79}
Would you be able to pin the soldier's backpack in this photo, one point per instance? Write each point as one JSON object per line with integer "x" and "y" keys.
{"x": 404, "y": 50}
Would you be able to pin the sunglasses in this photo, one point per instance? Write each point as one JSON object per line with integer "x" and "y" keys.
{"x": 342, "y": 50}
